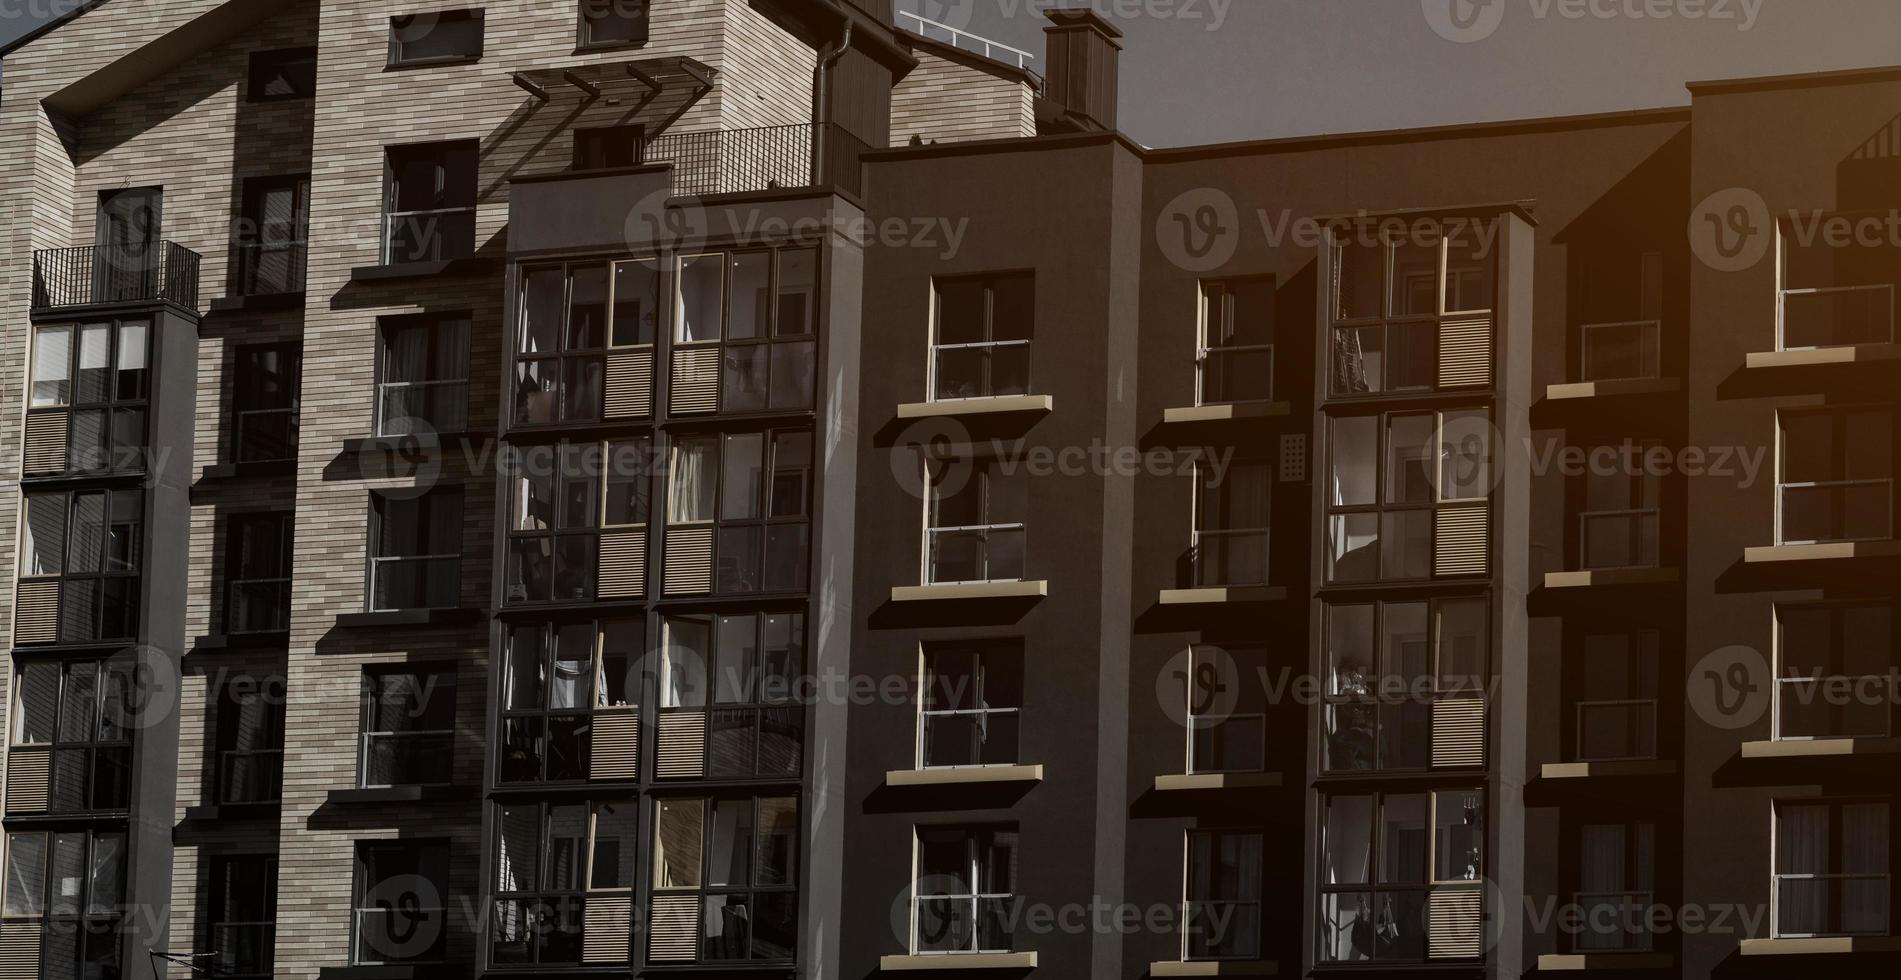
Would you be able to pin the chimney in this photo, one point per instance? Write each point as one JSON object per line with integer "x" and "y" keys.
{"x": 1081, "y": 53}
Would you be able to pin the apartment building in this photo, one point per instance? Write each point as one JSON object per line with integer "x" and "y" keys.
{"x": 498, "y": 496}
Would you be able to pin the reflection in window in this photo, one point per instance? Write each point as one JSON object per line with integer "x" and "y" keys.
{"x": 980, "y": 347}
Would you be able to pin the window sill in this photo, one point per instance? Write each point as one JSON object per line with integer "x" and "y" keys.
{"x": 1214, "y": 968}
{"x": 1036, "y": 589}
{"x": 596, "y": 47}
{"x": 226, "y": 812}
{"x": 1825, "y": 946}
{"x": 1834, "y": 551}
{"x": 1613, "y": 389}
{"x": 466, "y": 266}
{"x": 258, "y": 302}
{"x": 1233, "y": 412}
{"x": 958, "y": 961}
{"x": 392, "y": 971}
{"x": 1820, "y": 748}
{"x": 1865, "y": 353}
{"x": 1200, "y": 781}
{"x": 1221, "y": 595}
{"x": 1610, "y": 576}
{"x": 1570, "y": 962}
{"x": 998, "y": 405}
{"x": 407, "y": 617}
{"x": 467, "y": 59}
{"x": 256, "y": 469}
{"x": 396, "y": 794}
{"x": 960, "y": 777}
{"x": 1608, "y": 770}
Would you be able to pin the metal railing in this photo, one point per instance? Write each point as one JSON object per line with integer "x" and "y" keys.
{"x": 1810, "y": 905}
{"x": 242, "y": 949}
{"x": 1835, "y": 316}
{"x": 1236, "y": 374}
{"x": 92, "y": 274}
{"x": 732, "y": 161}
{"x": 982, "y": 553}
{"x": 259, "y": 605}
{"x": 268, "y": 268}
{"x": 1613, "y": 922}
{"x": 1230, "y": 557}
{"x": 400, "y": 934}
{"x": 251, "y": 775}
{"x": 415, "y": 582}
{"x": 1835, "y": 510}
{"x": 404, "y": 758}
{"x": 954, "y": 37}
{"x": 1620, "y": 538}
{"x": 1621, "y": 351}
{"x": 1616, "y": 730}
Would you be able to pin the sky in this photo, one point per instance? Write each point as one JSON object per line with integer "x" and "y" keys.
{"x": 1207, "y": 71}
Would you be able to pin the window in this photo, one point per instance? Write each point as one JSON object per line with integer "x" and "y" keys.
{"x": 241, "y": 924}
{"x": 980, "y": 345}
{"x": 555, "y": 677}
{"x": 1616, "y": 886}
{"x": 1621, "y": 311}
{"x": 1390, "y": 665}
{"x": 259, "y": 549}
{"x": 1394, "y": 306}
{"x": 1833, "y": 664}
{"x": 429, "y": 204}
{"x": 737, "y": 859}
{"x": 401, "y": 902}
{"x": 976, "y": 530}
{"x": 1383, "y": 856}
{"x": 964, "y": 890}
{"x": 1222, "y": 896}
{"x": 439, "y": 37}
{"x": 250, "y": 739}
{"x": 613, "y": 23}
{"x": 89, "y": 543}
{"x": 71, "y": 884}
{"x": 1394, "y": 479}
{"x": 272, "y": 236}
{"x": 755, "y": 488}
{"x": 563, "y": 498}
{"x": 609, "y": 146}
{"x": 78, "y": 716}
{"x": 1835, "y": 292}
{"x": 1616, "y": 699}
{"x": 761, "y": 308}
{"x": 1622, "y": 521}
{"x": 740, "y": 670}
{"x": 572, "y": 319}
{"x": 288, "y": 73}
{"x": 1227, "y": 708}
{"x": 1231, "y": 523}
{"x": 1833, "y": 870}
{"x": 1836, "y": 476}
{"x": 264, "y": 401}
{"x": 423, "y": 375}
{"x": 970, "y": 709}
{"x": 416, "y": 550}
{"x": 408, "y": 727}
{"x": 1236, "y": 359}
{"x": 91, "y": 384}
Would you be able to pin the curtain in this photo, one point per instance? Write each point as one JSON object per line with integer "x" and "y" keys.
{"x": 1802, "y": 846}
{"x": 1865, "y": 852}
{"x": 691, "y": 498}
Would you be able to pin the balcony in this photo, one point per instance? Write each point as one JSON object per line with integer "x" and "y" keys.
{"x": 734, "y": 161}
{"x": 1618, "y": 359}
{"x": 93, "y": 275}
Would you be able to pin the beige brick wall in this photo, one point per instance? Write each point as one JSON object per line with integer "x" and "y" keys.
{"x": 944, "y": 101}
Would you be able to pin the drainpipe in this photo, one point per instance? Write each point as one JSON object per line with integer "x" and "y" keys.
{"x": 821, "y": 91}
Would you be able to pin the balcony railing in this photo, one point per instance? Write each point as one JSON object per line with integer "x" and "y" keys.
{"x": 1839, "y": 316}
{"x": 242, "y": 949}
{"x": 1237, "y": 374}
{"x": 1616, "y": 730}
{"x": 1836, "y": 510}
{"x": 95, "y": 274}
{"x": 984, "y": 553}
{"x": 1613, "y": 922}
{"x": 404, "y": 758}
{"x": 731, "y": 161}
{"x": 1622, "y": 351}
{"x": 1230, "y": 558}
{"x": 259, "y": 605}
{"x": 1620, "y": 538}
{"x": 251, "y": 775}
{"x": 1831, "y": 905}
{"x": 268, "y": 269}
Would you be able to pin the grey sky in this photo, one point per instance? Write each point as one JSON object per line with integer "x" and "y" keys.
{"x": 1200, "y": 71}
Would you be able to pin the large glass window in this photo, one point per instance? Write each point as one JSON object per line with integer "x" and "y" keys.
{"x": 416, "y": 550}
{"x": 613, "y": 23}
{"x": 430, "y": 188}
{"x": 1617, "y": 882}
{"x": 422, "y": 379}
{"x": 1833, "y": 868}
{"x": 1836, "y": 476}
{"x": 1390, "y": 478}
{"x": 755, "y": 488}
{"x": 1621, "y": 523}
{"x": 563, "y": 497}
{"x": 1236, "y": 358}
{"x": 272, "y": 235}
{"x": 1223, "y": 896}
{"x": 1616, "y": 699}
{"x": 552, "y": 860}
{"x": 1621, "y": 316}
{"x": 570, "y": 320}
{"x": 91, "y": 542}
{"x": 408, "y": 727}
{"x": 401, "y": 898}
{"x": 1836, "y": 293}
{"x": 1391, "y": 303}
{"x": 78, "y": 716}
{"x": 264, "y": 401}
{"x": 435, "y": 38}
{"x": 742, "y": 670}
{"x": 738, "y": 857}
{"x": 71, "y": 884}
{"x": 970, "y": 711}
{"x": 1382, "y": 856}
{"x": 1834, "y": 662}
{"x": 1232, "y": 516}
{"x": 762, "y": 309}
{"x": 554, "y": 677}
{"x": 964, "y": 890}
{"x": 980, "y": 345}
{"x": 250, "y": 739}
{"x": 258, "y": 564}
{"x": 1389, "y": 665}
{"x": 977, "y": 530}
{"x": 1227, "y": 708}
{"x": 241, "y": 920}
{"x": 95, "y": 378}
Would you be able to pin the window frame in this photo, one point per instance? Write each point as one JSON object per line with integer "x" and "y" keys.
{"x": 235, "y": 566}
{"x": 443, "y": 153}
{"x": 1839, "y": 415}
{"x": 750, "y": 891}
{"x": 764, "y": 502}
{"x": 1338, "y": 514}
{"x": 1643, "y": 669}
{"x": 271, "y": 62}
{"x": 979, "y": 468}
{"x": 583, "y": 36}
{"x": 230, "y": 731}
{"x": 441, "y": 496}
{"x": 1389, "y": 317}
{"x": 1200, "y": 724}
{"x": 434, "y": 326}
{"x": 981, "y": 651}
{"x": 1835, "y": 608}
{"x": 98, "y": 749}
{"x": 1636, "y": 488}
{"x": 1376, "y": 869}
{"x": 92, "y": 923}
{"x": 1835, "y": 807}
{"x": 116, "y": 458}
{"x": 245, "y": 366}
{"x": 1785, "y": 244}
{"x": 542, "y": 898}
{"x": 765, "y": 342}
{"x": 1201, "y": 506}
{"x": 761, "y": 709}
{"x": 988, "y": 282}
{"x": 1190, "y": 839}
{"x": 360, "y": 886}
{"x": 431, "y": 681}
{"x": 113, "y": 533}
{"x": 1206, "y": 348}
{"x": 217, "y": 898}
{"x": 544, "y": 715}
{"x": 594, "y": 461}
{"x": 401, "y": 22}
{"x": 1383, "y": 678}
{"x": 1634, "y": 912}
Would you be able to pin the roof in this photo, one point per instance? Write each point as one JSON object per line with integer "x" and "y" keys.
{"x": 1814, "y": 79}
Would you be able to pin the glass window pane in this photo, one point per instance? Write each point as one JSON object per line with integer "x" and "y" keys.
{"x": 614, "y": 846}
{"x": 683, "y": 663}
{"x": 677, "y": 846}
{"x": 544, "y": 298}
{"x": 749, "y": 302}
{"x": 1348, "y": 853}
{"x": 636, "y": 302}
{"x": 1412, "y": 460}
{"x": 742, "y": 476}
{"x": 52, "y": 366}
{"x": 95, "y": 363}
{"x": 1355, "y": 462}
{"x": 962, "y": 311}
{"x": 1359, "y": 281}
{"x": 1415, "y": 279}
{"x": 1471, "y": 257}
{"x": 1013, "y": 308}
{"x": 1403, "y": 840}
{"x": 567, "y": 846}
{"x": 26, "y": 874}
{"x": 692, "y": 480}
{"x": 777, "y": 861}
{"x": 1463, "y": 631}
{"x": 797, "y": 293}
{"x": 730, "y": 860}
{"x": 520, "y": 842}
{"x": 587, "y": 308}
{"x": 1458, "y": 822}
{"x": 698, "y": 309}
{"x": 629, "y": 484}
{"x": 793, "y": 372}
{"x": 735, "y": 656}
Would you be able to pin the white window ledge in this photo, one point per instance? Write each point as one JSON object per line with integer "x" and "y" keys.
{"x": 958, "y": 961}
{"x": 1610, "y": 769}
{"x": 1568, "y": 962}
{"x": 1612, "y": 389}
{"x": 1833, "y": 945}
{"x": 1033, "y": 589}
{"x": 964, "y": 775}
{"x": 1236, "y": 412}
{"x": 1214, "y": 968}
{"x": 1833, "y": 551}
{"x": 1823, "y": 355}
{"x": 1221, "y": 596}
{"x": 1818, "y": 747}
{"x": 1610, "y": 576}
{"x": 1188, "y": 782}
{"x": 994, "y": 405}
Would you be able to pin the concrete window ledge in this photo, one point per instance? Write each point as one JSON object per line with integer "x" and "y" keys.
{"x": 958, "y": 961}
{"x": 968, "y": 591}
{"x": 1610, "y": 576}
{"x": 1612, "y": 389}
{"x": 1834, "y": 551}
{"x": 1820, "y": 747}
{"x": 1224, "y": 595}
{"x": 995, "y": 405}
{"x": 1621, "y": 767}
{"x": 1821, "y": 947}
{"x": 964, "y": 776}
{"x": 1191, "y": 782}
{"x": 1762, "y": 360}
{"x": 1239, "y": 412}
{"x": 1568, "y": 962}
{"x": 1214, "y": 968}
